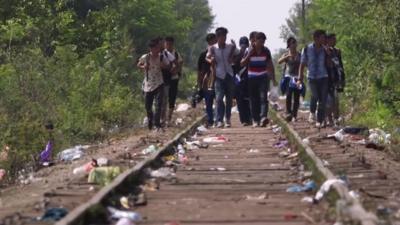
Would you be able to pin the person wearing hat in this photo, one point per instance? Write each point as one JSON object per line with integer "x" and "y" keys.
{"x": 241, "y": 87}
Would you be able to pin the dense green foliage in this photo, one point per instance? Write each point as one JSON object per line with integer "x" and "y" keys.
{"x": 367, "y": 32}
{"x": 73, "y": 62}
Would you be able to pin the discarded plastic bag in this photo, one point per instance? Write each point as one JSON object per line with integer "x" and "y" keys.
{"x": 71, "y": 154}
{"x": 45, "y": 155}
{"x": 119, "y": 214}
{"x": 338, "y": 136}
{"x": 149, "y": 150}
{"x": 326, "y": 186}
{"x": 379, "y": 136}
{"x": 125, "y": 221}
{"x": 103, "y": 175}
{"x": 85, "y": 168}
{"x": 182, "y": 107}
{"x": 163, "y": 172}
{"x": 217, "y": 139}
{"x": 202, "y": 128}
{"x": 102, "y": 161}
{"x": 309, "y": 186}
{"x": 281, "y": 144}
{"x": 54, "y": 214}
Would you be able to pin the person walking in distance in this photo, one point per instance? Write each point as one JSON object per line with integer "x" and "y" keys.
{"x": 151, "y": 63}
{"x": 291, "y": 59}
{"x": 176, "y": 73}
{"x": 205, "y": 82}
{"x": 221, "y": 55}
{"x": 315, "y": 58}
{"x": 260, "y": 72}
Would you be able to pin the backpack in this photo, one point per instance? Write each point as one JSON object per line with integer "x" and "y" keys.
{"x": 166, "y": 73}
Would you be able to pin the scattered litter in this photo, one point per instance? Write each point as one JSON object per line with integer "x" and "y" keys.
{"x": 354, "y": 194}
{"x": 149, "y": 150}
{"x": 102, "y": 161}
{"x": 326, "y": 186}
{"x": 103, "y": 175}
{"x": 53, "y": 214}
{"x": 133, "y": 200}
{"x": 257, "y": 197}
{"x": 182, "y": 107}
{"x": 281, "y": 144}
{"x": 202, "y": 128}
{"x": 163, "y": 172}
{"x": 45, "y": 155}
{"x": 253, "y": 151}
{"x": 125, "y": 221}
{"x": 85, "y": 168}
{"x": 355, "y": 130}
{"x": 284, "y": 154}
{"x": 178, "y": 121}
{"x": 309, "y": 186}
{"x": 192, "y": 145}
{"x": 308, "y": 199}
{"x": 218, "y": 169}
{"x": 325, "y": 163}
{"x": 274, "y": 165}
{"x": 71, "y": 154}
{"x": 306, "y": 141}
{"x": 307, "y": 174}
{"x": 293, "y": 155}
{"x": 217, "y": 139}
{"x": 338, "y": 136}
{"x": 118, "y": 214}
{"x": 356, "y": 176}
{"x": 277, "y": 130}
{"x": 379, "y": 136}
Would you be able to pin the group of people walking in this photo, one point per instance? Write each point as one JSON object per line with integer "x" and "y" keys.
{"x": 227, "y": 71}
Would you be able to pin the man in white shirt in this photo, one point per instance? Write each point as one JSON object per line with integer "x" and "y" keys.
{"x": 151, "y": 63}
{"x": 221, "y": 55}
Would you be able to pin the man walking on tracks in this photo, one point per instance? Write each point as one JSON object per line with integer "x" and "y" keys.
{"x": 153, "y": 85}
{"x": 315, "y": 58}
{"x": 205, "y": 79}
{"x": 221, "y": 55}
{"x": 260, "y": 71}
{"x": 175, "y": 75}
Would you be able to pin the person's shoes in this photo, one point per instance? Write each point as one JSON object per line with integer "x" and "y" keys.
{"x": 227, "y": 123}
{"x": 264, "y": 121}
{"x": 311, "y": 118}
{"x": 245, "y": 124}
{"x": 294, "y": 119}
{"x": 219, "y": 125}
{"x": 158, "y": 130}
{"x": 256, "y": 124}
{"x": 289, "y": 117}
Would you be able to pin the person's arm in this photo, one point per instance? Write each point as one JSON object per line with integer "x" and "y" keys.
{"x": 246, "y": 58}
{"x": 270, "y": 65}
{"x": 210, "y": 57}
{"x": 284, "y": 58}
{"x": 303, "y": 64}
{"x": 142, "y": 63}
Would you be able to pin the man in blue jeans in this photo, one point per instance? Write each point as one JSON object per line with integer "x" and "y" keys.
{"x": 315, "y": 58}
{"x": 221, "y": 55}
{"x": 204, "y": 80}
